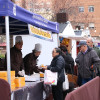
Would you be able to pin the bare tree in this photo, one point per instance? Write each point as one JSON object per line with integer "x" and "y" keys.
{"x": 71, "y": 8}
{"x": 49, "y": 9}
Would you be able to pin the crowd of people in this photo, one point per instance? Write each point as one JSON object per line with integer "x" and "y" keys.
{"x": 87, "y": 60}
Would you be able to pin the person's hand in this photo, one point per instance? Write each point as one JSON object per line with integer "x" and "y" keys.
{"x": 45, "y": 67}
{"x": 91, "y": 68}
{"x": 21, "y": 73}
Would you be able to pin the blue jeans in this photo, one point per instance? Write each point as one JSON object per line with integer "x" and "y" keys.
{"x": 85, "y": 80}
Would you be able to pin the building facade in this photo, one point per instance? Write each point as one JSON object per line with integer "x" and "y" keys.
{"x": 83, "y": 15}
{"x": 88, "y": 16}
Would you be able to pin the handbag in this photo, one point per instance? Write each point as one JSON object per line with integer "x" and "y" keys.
{"x": 66, "y": 83}
{"x": 50, "y": 77}
{"x": 72, "y": 78}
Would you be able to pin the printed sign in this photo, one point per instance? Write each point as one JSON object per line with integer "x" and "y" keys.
{"x": 14, "y": 9}
{"x": 40, "y": 33}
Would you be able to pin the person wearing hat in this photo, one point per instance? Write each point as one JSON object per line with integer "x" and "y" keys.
{"x": 87, "y": 61}
{"x": 30, "y": 60}
{"x": 16, "y": 57}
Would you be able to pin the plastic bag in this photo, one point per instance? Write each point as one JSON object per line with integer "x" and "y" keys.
{"x": 50, "y": 77}
{"x": 66, "y": 83}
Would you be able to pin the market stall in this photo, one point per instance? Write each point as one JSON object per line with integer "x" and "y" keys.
{"x": 70, "y": 37}
{"x": 16, "y": 20}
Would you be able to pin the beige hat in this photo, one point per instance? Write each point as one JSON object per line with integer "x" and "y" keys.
{"x": 38, "y": 47}
{"x": 18, "y": 39}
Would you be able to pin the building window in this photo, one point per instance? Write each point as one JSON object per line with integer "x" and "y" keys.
{"x": 91, "y": 25}
{"x": 91, "y": 8}
{"x": 81, "y": 9}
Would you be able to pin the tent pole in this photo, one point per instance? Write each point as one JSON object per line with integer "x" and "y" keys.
{"x": 8, "y": 49}
{"x": 58, "y": 40}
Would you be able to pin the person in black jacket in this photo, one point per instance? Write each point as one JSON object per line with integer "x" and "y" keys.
{"x": 69, "y": 61}
{"x": 69, "y": 67}
{"x": 57, "y": 65}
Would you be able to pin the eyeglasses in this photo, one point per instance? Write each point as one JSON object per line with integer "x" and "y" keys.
{"x": 53, "y": 52}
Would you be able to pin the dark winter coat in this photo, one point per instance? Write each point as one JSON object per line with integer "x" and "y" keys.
{"x": 97, "y": 50}
{"x": 30, "y": 64}
{"x": 69, "y": 63}
{"x": 58, "y": 65}
{"x": 85, "y": 61}
{"x": 16, "y": 60}
{"x": 98, "y": 53}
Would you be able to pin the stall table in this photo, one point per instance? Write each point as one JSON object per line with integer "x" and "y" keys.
{"x": 31, "y": 91}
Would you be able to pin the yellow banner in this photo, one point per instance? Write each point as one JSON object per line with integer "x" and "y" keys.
{"x": 43, "y": 34}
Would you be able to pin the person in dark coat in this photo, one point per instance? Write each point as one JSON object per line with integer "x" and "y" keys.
{"x": 90, "y": 43}
{"x": 69, "y": 68}
{"x": 16, "y": 57}
{"x": 30, "y": 61}
{"x": 69, "y": 61}
{"x": 57, "y": 65}
{"x": 87, "y": 61}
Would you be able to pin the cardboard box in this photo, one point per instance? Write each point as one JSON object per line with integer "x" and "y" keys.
{"x": 41, "y": 74}
{"x": 5, "y": 78}
{"x": 12, "y": 86}
{"x": 4, "y": 73}
{"x": 19, "y": 81}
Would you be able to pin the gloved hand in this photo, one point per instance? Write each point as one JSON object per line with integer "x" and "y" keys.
{"x": 21, "y": 73}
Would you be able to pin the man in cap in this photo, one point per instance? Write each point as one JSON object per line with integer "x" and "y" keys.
{"x": 30, "y": 60}
{"x": 87, "y": 61}
{"x": 16, "y": 57}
